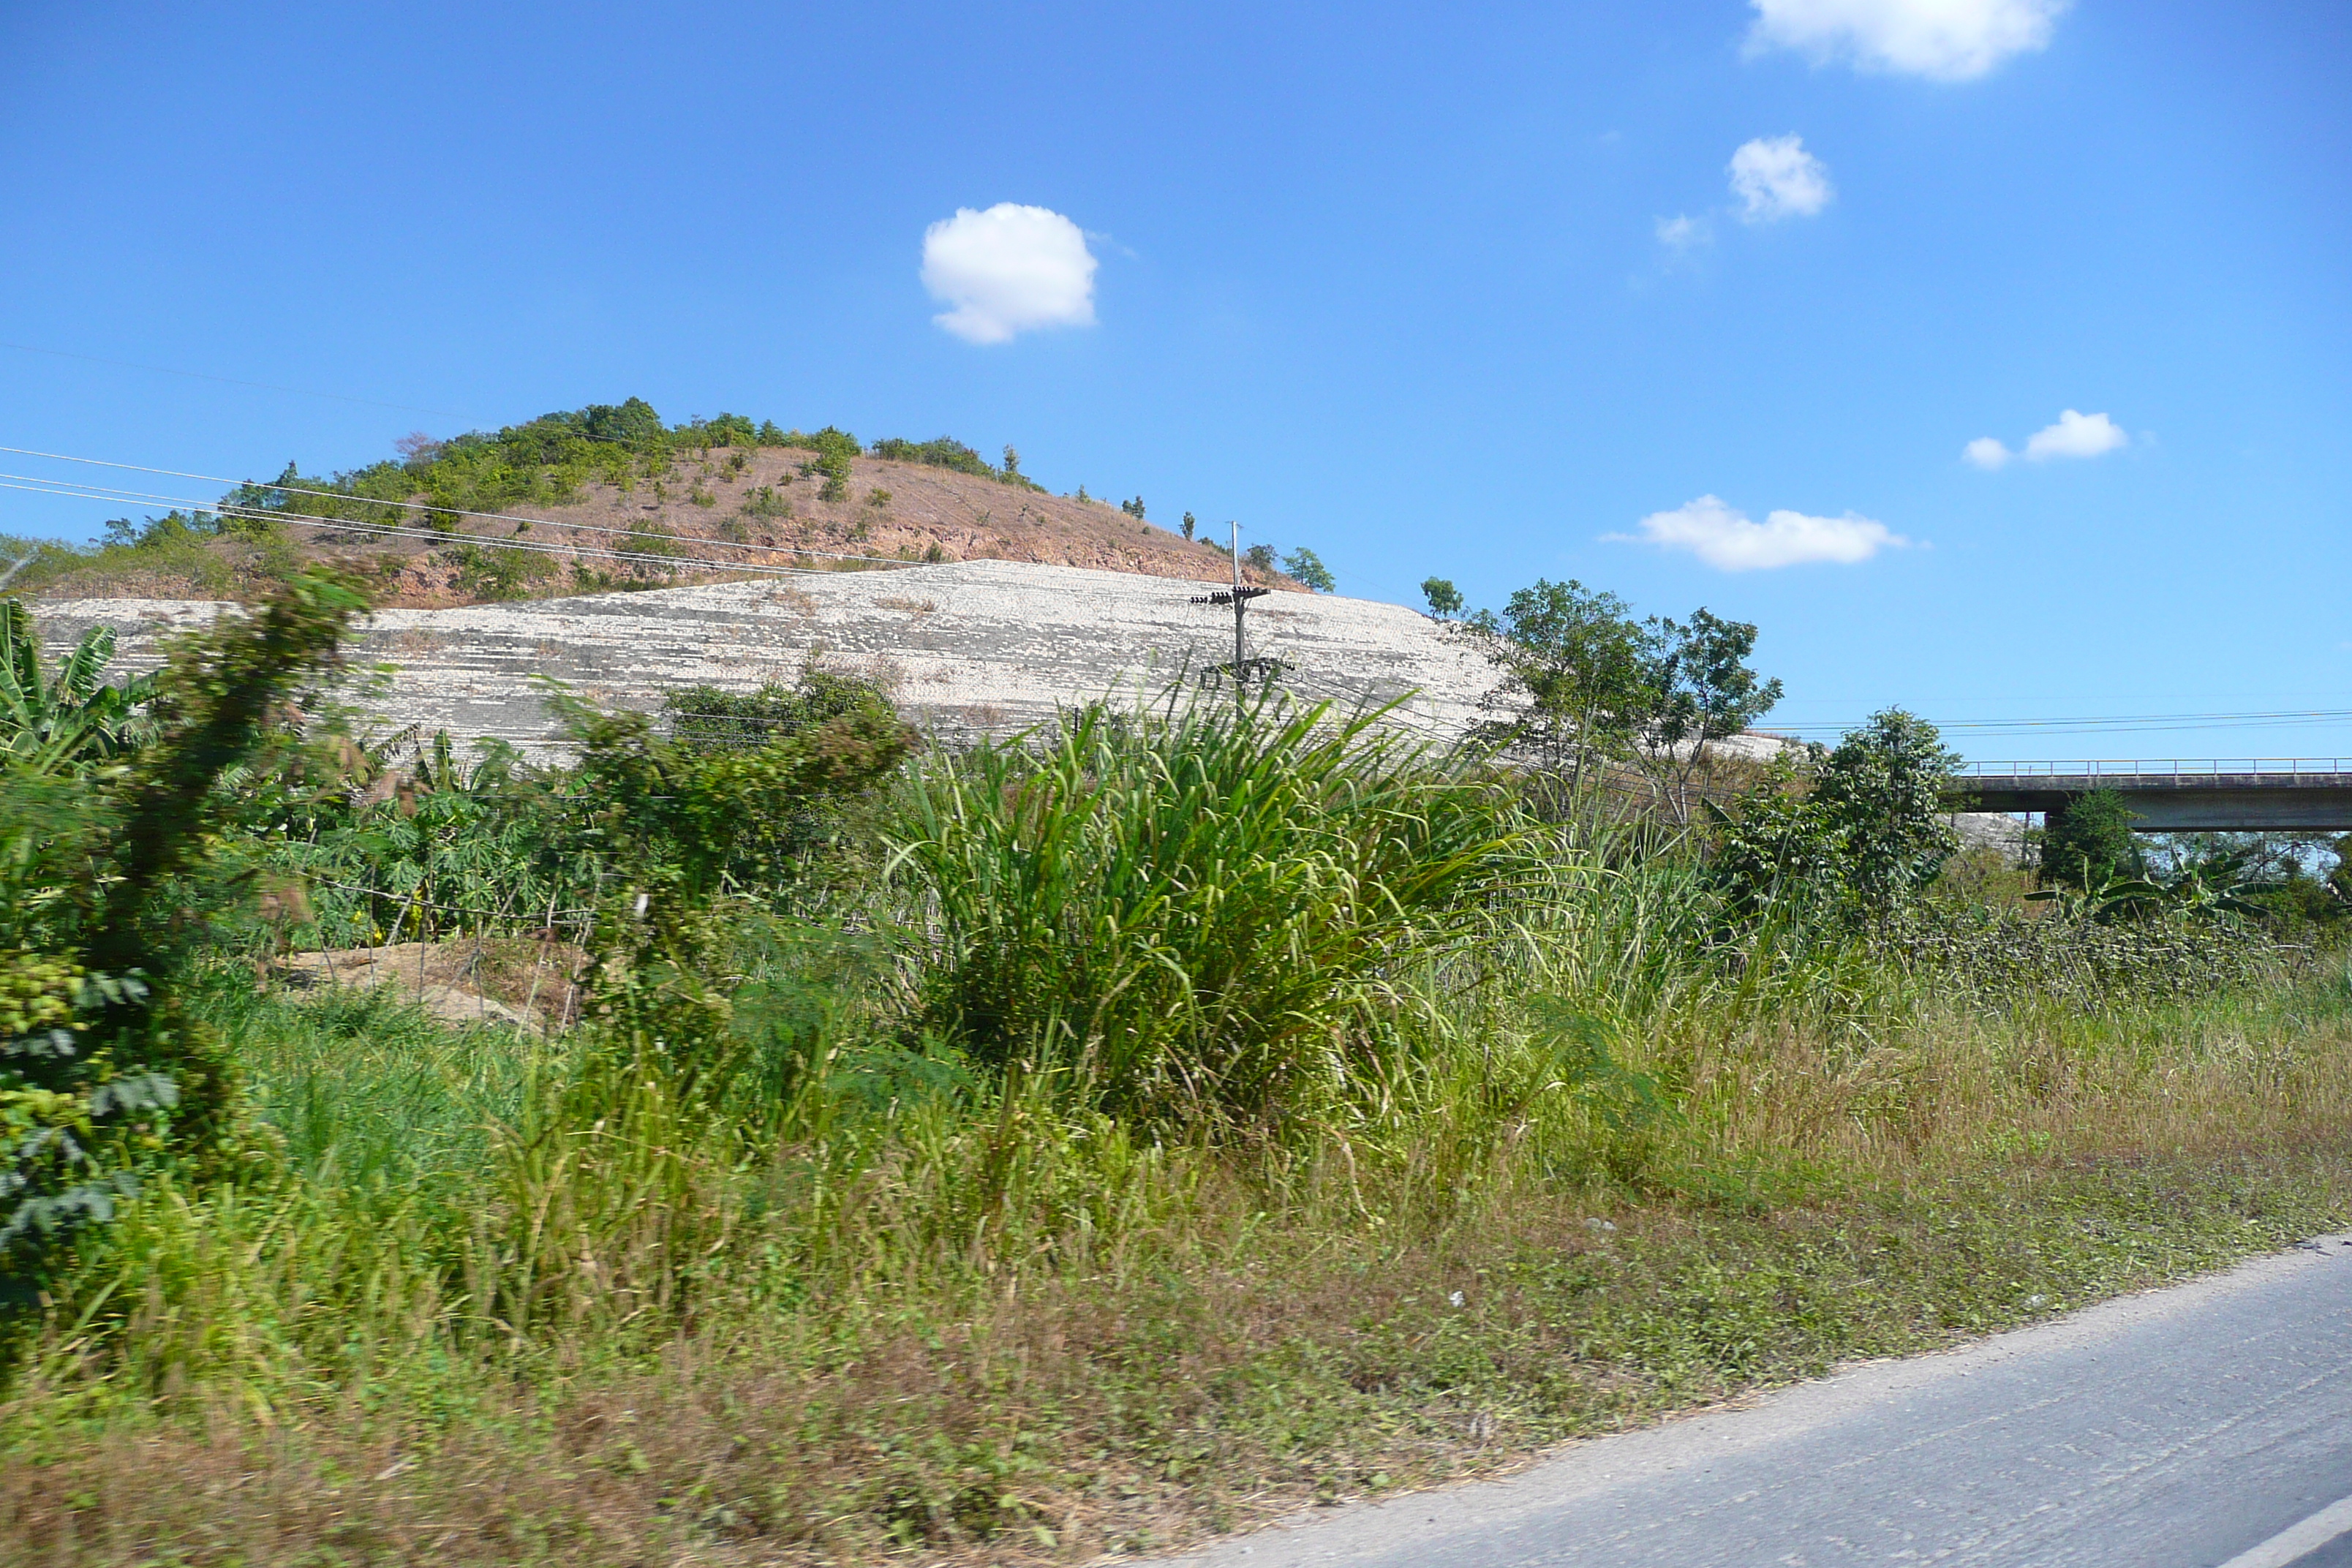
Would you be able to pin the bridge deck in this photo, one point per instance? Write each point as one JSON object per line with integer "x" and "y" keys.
{"x": 2288, "y": 795}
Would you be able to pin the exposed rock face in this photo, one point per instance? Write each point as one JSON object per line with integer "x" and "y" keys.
{"x": 976, "y": 645}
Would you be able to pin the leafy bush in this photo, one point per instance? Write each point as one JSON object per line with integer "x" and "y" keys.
{"x": 710, "y": 717}
{"x": 2091, "y": 843}
{"x": 695, "y": 813}
{"x": 1854, "y": 835}
{"x": 497, "y": 574}
{"x": 945, "y": 452}
{"x": 1444, "y": 599}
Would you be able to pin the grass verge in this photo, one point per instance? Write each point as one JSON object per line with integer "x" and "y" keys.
{"x": 1227, "y": 1337}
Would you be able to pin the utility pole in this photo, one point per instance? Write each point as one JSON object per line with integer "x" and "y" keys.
{"x": 1240, "y": 607}
{"x": 1238, "y": 596}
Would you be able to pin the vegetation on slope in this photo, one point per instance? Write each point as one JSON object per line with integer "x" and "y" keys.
{"x": 561, "y": 504}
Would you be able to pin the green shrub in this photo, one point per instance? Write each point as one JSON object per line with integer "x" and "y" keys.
{"x": 2091, "y": 842}
{"x": 943, "y": 452}
{"x": 487, "y": 572}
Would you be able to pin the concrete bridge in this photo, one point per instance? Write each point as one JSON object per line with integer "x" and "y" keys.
{"x": 2251, "y": 794}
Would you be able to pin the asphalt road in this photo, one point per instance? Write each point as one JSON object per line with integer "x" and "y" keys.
{"x": 2205, "y": 1426}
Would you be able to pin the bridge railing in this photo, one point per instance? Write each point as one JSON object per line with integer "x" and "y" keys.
{"x": 2163, "y": 767}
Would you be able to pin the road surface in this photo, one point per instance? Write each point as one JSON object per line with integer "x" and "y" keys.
{"x": 2205, "y": 1426}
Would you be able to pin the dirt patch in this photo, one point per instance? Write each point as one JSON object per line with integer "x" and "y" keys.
{"x": 515, "y": 980}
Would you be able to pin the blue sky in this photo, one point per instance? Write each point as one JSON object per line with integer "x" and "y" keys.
{"x": 1399, "y": 284}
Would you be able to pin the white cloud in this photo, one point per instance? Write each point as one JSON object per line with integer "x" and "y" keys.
{"x": 1684, "y": 232}
{"x": 1729, "y": 541}
{"x": 2075, "y": 435}
{"x": 1008, "y": 269}
{"x": 1945, "y": 40}
{"x": 1775, "y": 177}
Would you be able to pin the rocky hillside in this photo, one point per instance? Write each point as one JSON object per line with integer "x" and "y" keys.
{"x": 971, "y": 647}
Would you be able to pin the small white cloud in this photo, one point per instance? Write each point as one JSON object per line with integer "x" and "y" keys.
{"x": 1944, "y": 40}
{"x": 1008, "y": 269}
{"x": 1774, "y": 178}
{"x": 2075, "y": 435}
{"x": 1684, "y": 232}
{"x": 1730, "y": 541}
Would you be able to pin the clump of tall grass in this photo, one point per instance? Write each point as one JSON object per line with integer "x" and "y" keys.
{"x": 1201, "y": 911}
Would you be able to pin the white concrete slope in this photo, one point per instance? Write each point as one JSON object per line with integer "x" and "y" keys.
{"x": 977, "y": 645}
{"x": 2208, "y": 1425}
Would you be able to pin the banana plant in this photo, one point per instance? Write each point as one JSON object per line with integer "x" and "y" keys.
{"x": 60, "y": 723}
{"x": 2212, "y": 888}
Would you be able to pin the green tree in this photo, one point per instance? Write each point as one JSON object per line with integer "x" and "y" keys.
{"x": 1304, "y": 565}
{"x": 1884, "y": 794}
{"x": 1189, "y": 525}
{"x": 1577, "y": 675}
{"x": 1701, "y": 690}
{"x": 1261, "y": 557}
{"x": 1444, "y": 599}
{"x": 2091, "y": 843}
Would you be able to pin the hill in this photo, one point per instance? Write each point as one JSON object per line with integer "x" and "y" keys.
{"x": 608, "y": 496}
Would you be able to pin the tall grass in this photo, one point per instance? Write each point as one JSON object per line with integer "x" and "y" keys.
{"x": 1204, "y": 912}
